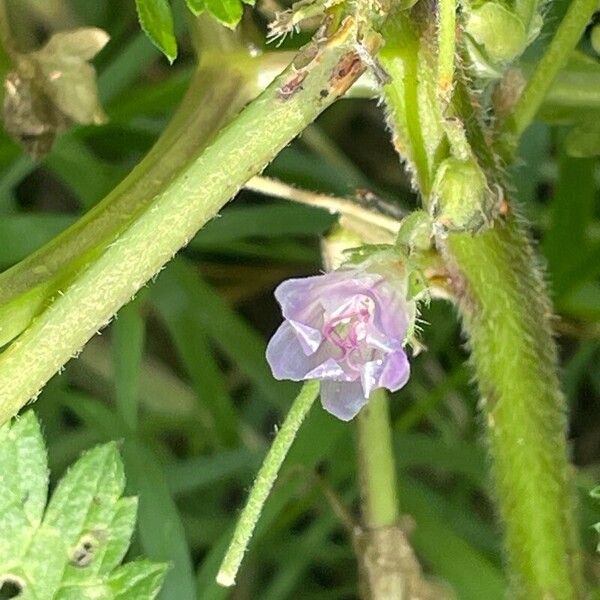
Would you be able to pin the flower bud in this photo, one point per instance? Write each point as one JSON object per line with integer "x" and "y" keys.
{"x": 499, "y": 33}
{"x": 461, "y": 199}
{"x": 415, "y": 233}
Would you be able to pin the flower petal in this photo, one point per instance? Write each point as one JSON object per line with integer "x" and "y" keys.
{"x": 342, "y": 399}
{"x": 310, "y": 338}
{"x": 371, "y": 375}
{"x": 298, "y": 297}
{"x": 345, "y": 287}
{"x": 391, "y": 311}
{"x": 286, "y": 356}
{"x": 385, "y": 343}
{"x": 396, "y": 371}
{"x": 329, "y": 369}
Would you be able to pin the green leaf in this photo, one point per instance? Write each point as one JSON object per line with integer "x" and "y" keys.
{"x": 572, "y": 209}
{"x": 561, "y": 105}
{"x": 437, "y": 542}
{"x": 144, "y": 474}
{"x": 264, "y": 221}
{"x": 138, "y": 579}
{"x": 157, "y": 22}
{"x": 196, "y": 6}
{"x": 228, "y": 12}
{"x": 197, "y": 358}
{"x": 70, "y": 551}
{"x": 128, "y": 350}
{"x": 24, "y": 481}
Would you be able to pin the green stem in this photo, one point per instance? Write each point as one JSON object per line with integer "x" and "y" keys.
{"x": 376, "y": 460}
{"x": 504, "y": 305}
{"x": 555, "y": 58}
{"x": 575, "y": 92}
{"x": 264, "y": 482}
{"x": 409, "y": 105}
{"x": 28, "y": 287}
{"x": 196, "y": 193}
{"x": 506, "y": 312}
{"x": 387, "y": 563}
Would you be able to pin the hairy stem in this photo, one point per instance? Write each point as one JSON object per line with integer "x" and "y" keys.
{"x": 506, "y": 312}
{"x": 505, "y": 309}
{"x": 380, "y": 559}
{"x": 194, "y": 195}
{"x": 264, "y": 482}
{"x": 555, "y": 58}
{"x": 28, "y": 286}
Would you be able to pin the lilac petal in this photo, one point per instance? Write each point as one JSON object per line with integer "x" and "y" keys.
{"x": 342, "y": 399}
{"x": 310, "y": 338}
{"x": 396, "y": 371}
{"x": 391, "y": 311}
{"x": 345, "y": 289}
{"x": 286, "y": 356}
{"x": 385, "y": 343}
{"x": 297, "y": 297}
{"x": 370, "y": 376}
{"x": 390, "y": 314}
{"x": 329, "y": 369}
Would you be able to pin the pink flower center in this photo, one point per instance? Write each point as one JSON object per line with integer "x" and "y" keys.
{"x": 348, "y": 330}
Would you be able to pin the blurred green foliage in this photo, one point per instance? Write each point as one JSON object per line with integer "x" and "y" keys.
{"x": 180, "y": 376}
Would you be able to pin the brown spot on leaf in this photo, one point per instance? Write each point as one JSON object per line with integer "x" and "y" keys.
{"x": 83, "y": 554}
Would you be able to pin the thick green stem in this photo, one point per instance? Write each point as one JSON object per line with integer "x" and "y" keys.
{"x": 376, "y": 460}
{"x": 555, "y": 58}
{"x": 27, "y": 288}
{"x": 504, "y": 305}
{"x": 380, "y": 542}
{"x": 195, "y": 195}
{"x": 505, "y": 308}
{"x": 264, "y": 482}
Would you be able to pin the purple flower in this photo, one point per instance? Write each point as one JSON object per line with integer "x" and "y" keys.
{"x": 346, "y": 328}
